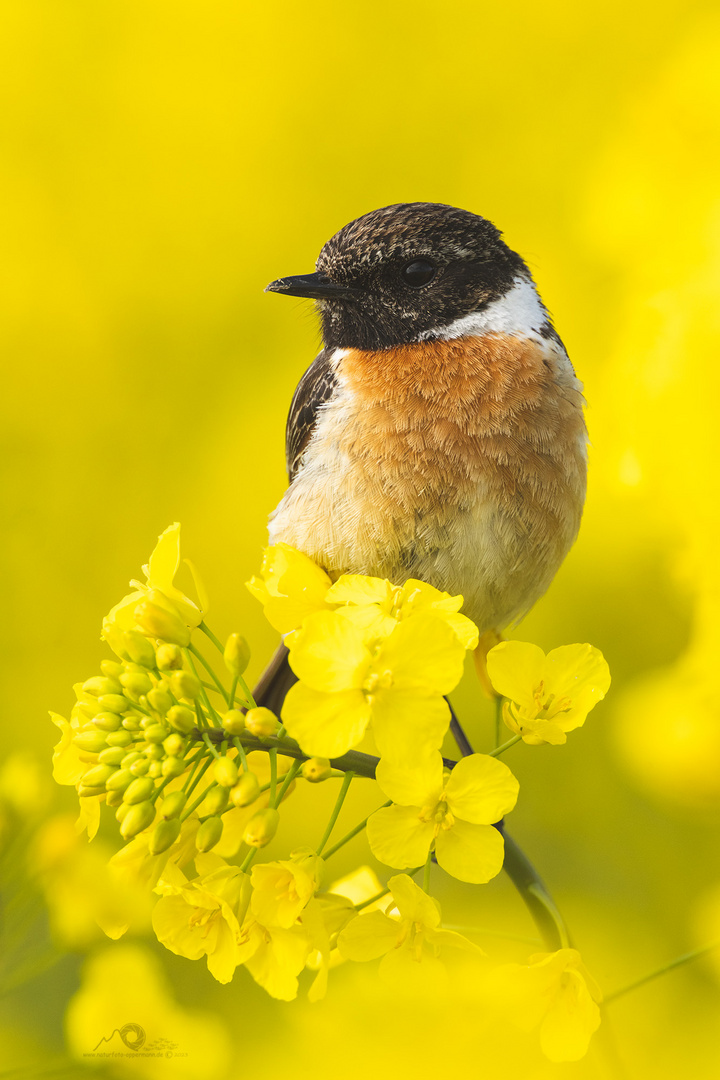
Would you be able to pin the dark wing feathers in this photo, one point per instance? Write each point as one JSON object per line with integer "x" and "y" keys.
{"x": 316, "y": 387}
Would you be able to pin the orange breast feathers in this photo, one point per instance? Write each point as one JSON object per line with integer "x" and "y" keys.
{"x": 495, "y": 412}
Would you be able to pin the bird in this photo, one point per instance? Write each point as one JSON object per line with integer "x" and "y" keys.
{"x": 439, "y": 434}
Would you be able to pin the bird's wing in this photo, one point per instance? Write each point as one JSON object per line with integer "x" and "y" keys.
{"x": 315, "y": 388}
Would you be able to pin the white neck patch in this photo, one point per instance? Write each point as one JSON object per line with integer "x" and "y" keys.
{"x": 519, "y": 312}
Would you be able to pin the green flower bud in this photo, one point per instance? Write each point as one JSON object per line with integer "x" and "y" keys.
{"x": 216, "y": 800}
{"x": 139, "y": 790}
{"x": 97, "y": 776}
{"x": 316, "y": 769}
{"x": 225, "y": 771}
{"x": 164, "y": 836}
{"x": 132, "y": 722}
{"x": 139, "y": 767}
{"x": 174, "y": 745}
{"x": 119, "y": 738}
{"x": 159, "y": 699}
{"x": 185, "y": 685}
{"x": 182, "y": 719}
{"x": 107, "y": 721}
{"x": 158, "y": 622}
{"x": 119, "y": 780}
{"x": 86, "y": 710}
{"x": 174, "y": 804}
{"x": 111, "y": 669}
{"x": 114, "y": 798}
{"x": 261, "y": 828}
{"x": 91, "y": 741}
{"x": 135, "y": 683}
{"x": 246, "y": 790}
{"x": 89, "y": 792}
{"x": 155, "y": 770}
{"x": 169, "y": 658}
{"x": 209, "y": 833}
{"x": 154, "y": 752}
{"x": 137, "y": 649}
{"x": 113, "y": 703}
{"x": 233, "y": 722}
{"x": 131, "y": 758}
{"x": 261, "y": 722}
{"x": 112, "y": 756}
{"x": 138, "y": 817}
{"x": 100, "y": 685}
{"x": 173, "y": 766}
{"x": 121, "y": 811}
{"x": 156, "y": 733}
{"x": 237, "y": 654}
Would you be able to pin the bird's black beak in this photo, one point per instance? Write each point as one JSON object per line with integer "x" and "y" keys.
{"x": 313, "y": 286}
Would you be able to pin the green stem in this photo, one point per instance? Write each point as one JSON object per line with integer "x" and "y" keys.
{"x": 231, "y": 696}
{"x": 353, "y": 832}
{"x": 221, "y": 689}
{"x": 540, "y": 904}
{"x": 678, "y": 962}
{"x": 372, "y": 900}
{"x": 505, "y": 746}
{"x": 426, "y": 872}
{"x": 203, "y": 769}
{"x": 273, "y": 775}
{"x": 211, "y": 748}
{"x": 214, "y": 718}
{"x": 288, "y": 779}
{"x": 483, "y": 931}
{"x": 241, "y": 753}
{"x": 347, "y": 779}
{"x": 219, "y": 645}
{"x": 250, "y": 856}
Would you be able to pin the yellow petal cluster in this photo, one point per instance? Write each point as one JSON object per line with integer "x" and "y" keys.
{"x": 547, "y": 695}
{"x": 451, "y": 814}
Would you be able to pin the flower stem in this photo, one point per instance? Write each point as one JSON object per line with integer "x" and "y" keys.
{"x": 353, "y": 832}
{"x": 221, "y": 648}
{"x": 210, "y": 747}
{"x": 241, "y": 754}
{"x": 199, "y": 656}
{"x": 347, "y": 779}
{"x": 233, "y": 688}
{"x": 213, "y": 715}
{"x": 203, "y": 769}
{"x": 505, "y": 746}
{"x": 372, "y": 900}
{"x": 677, "y": 962}
{"x": 287, "y": 780}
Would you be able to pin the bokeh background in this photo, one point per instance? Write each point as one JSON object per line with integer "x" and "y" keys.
{"x": 162, "y": 161}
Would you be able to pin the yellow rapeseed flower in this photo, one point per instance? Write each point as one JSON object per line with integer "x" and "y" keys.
{"x": 410, "y": 943}
{"x": 548, "y": 695}
{"x": 282, "y": 889}
{"x": 398, "y": 686}
{"x": 450, "y": 814}
{"x": 554, "y": 992}
{"x": 290, "y": 587}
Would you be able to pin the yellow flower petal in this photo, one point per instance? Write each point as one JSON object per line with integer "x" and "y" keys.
{"x": 568, "y": 1026}
{"x": 579, "y": 673}
{"x": 515, "y": 669}
{"x": 328, "y": 653}
{"x": 164, "y": 562}
{"x": 398, "y": 837}
{"x": 417, "y": 784}
{"x": 423, "y": 652}
{"x": 539, "y": 732}
{"x": 358, "y": 589}
{"x": 471, "y": 853}
{"x": 291, "y": 587}
{"x": 414, "y": 905}
{"x": 325, "y": 725}
{"x": 278, "y": 961}
{"x": 369, "y": 936}
{"x": 481, "y": 789}
{"x": 408, "y": 725}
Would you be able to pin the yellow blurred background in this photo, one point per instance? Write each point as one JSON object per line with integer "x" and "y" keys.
{"x": 161, "y": 163}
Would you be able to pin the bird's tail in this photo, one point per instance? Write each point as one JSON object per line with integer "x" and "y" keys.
{"x": 275, "y": 681}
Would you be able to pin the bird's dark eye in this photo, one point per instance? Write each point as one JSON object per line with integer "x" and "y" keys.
{"x": 418, "y": 273}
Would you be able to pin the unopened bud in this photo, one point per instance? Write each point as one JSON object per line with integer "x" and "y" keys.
{"x": 237, "y": 654}
{"x": 158, "y": 622}
{"x": 185, "y": 685}
{"x": 216, "y": 800}
{"x": 174, "y": 804}
{"x": 154, "y": 752}
{"x": 111, "y": 669}
{"x": 155, "y": 770}
{"x": 262, "y": 723}
{"x": 133, "y": 722}
{"x": 112, "y": 756}
{"x": 261, "y": 828}
{"x": 225, "y": 771}
{"x": 233, "y": 722}
{"x": 101, "y": 684}
{"x": 172, "y": 766}
{"x": 159, "y": 699}
{"x": 174, "y": 744}
{"x": 121, "y": 811}
{"x": 139, "y": 790}
{"x": 119, "y": 780}
{"x": 209, "y": 833}
{"x": 138, "y": 817}
{"x": 130, "y": 759}
{"x": 91, "y": 741}
{"x": 107, "y": 721}
{"x": 169, "y": 658}
{"x": 114, "y": 798}
{"x": 113, "y": 703}
{"x": 97, "y": 776}
{"x": 135, "y": 683}
{"x": 156, "y": 733}
{"x": 137, "y": 649}
{"x": 119, "y": 738}
{"x": 182, "y": 719}
{"x": 140, "y": 767}
{"x": 246, "y": 790}
{"x": 164, "y": 836}
{"x": 90, "y": 792}
{"x": 316, "y": 769}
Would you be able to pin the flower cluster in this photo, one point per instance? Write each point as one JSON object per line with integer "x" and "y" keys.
{"x": 197, "y": 774}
